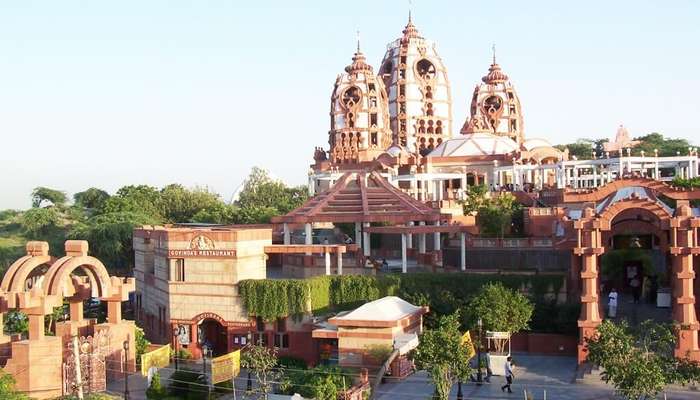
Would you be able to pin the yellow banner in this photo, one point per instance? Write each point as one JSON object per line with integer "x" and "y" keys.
{"x": 158, "y": 358}
{"x": 467, "y": 341}
{"x": 226, "y": 367}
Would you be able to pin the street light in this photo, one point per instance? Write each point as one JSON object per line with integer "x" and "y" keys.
{"x": 126, "y": 373}
{"x": 176, "y": 331}
{"x": 249, "y": 383}
{"x": 478, "y": 357}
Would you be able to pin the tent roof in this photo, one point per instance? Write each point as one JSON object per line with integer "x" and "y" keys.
{"x": 362, "y": 197}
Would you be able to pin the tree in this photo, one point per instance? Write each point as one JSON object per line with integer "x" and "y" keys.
{"x": 110, "y": 236}
{"x": 320, "y": 383}
{"x": 141, "y": 344}
{"x": 16, "y": 322}
{"x": 444, "y": 355}
{"x": 140, "y": 199}
{"x": 92, "y": 198}
{"x": 261, "y": 191}
{"x": 476, "y": 197}
{"x": 582, "y": 149}
{"x": 500, "y": 309}
{"x": 219, "y": 213}
{"x": 178, "y": 204}
{"x": 262, "y": 361}
{"x": 7, "y": 388}
{"x": 666, "y": 147}
{"x": 640, "y": 364}
{"x": 40, "y": 222}
{"x": 495, "y": 217}
{"x": 55, "y": 197}
{"x": 156, "y": 390}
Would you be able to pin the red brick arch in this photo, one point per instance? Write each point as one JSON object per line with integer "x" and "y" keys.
{"x": 607, "y": 216}
{"x": 58, "y": 273}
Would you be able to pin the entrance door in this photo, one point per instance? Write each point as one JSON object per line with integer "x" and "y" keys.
{"x": 214, "y": 336}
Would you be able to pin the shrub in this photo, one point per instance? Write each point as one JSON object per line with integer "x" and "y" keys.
{"x": 156, "y": 390}
{"x": 188, "y": 384}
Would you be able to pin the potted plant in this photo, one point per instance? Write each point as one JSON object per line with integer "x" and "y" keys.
{"x": 503, "y": 312}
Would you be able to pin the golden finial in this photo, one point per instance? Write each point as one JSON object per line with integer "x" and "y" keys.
{"x": 357, "y": 34}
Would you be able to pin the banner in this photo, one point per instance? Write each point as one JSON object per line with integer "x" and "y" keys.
{"x": 158, "y": 358}
{"x": 467, "y": 341}
{"x": 226, "y": 367}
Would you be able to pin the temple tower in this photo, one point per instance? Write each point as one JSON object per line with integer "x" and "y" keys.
{"x": 420, "y": 103}
{"x": 359, "y": 114}
{"x": 495, "y": 107}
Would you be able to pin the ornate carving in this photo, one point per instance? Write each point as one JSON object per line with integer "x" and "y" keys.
{"x": 92, "y": 351}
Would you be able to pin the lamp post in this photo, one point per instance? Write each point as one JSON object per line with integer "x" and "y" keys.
{"x": 478, "y": 357}
{"x": 176, "y": 330}
{"x": 459, "y": 390}
{"x": 249, "y": 383}
{"x": 126, "y": 372}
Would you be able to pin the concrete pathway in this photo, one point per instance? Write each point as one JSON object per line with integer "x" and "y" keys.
{"x": 536, "y": 374}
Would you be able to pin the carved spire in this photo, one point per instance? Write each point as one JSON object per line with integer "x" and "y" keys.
{"x": 359, "y": 62}
{"x": 410, "y": 31}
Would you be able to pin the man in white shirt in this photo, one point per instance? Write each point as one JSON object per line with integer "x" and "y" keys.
{"x": 509, "y": 375}
{"x": 612, "y": 303}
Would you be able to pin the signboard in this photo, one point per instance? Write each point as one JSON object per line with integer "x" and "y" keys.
{"x": 226, "y": 367}
{"x": 183, "y": 334}
{"x": 159, "y": 358}
{"x": 467, "y": 341}
{"x": 190, "y": 253}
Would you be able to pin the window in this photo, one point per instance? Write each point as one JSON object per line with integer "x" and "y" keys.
{"x": 281, "y": 336}
{"x": 177, "y": 271}
{"x": 374, "y": 138}
{"x": 373, "y": 119}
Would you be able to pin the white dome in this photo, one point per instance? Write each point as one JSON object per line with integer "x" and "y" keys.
{"x": 533, "y": 143}
{"x": 394, "y": 150}
{"x": 475, "y": 144}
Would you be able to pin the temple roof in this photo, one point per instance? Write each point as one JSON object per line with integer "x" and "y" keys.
{"x": 475, "y": 144}
{"x": 361, "y": 197}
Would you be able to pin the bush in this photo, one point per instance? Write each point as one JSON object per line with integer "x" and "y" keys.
{"x": 293, "y": 363}
{"x": 188, "y": 384}
{"x": 156, "y": 391}
{"x": 550, "y": 317}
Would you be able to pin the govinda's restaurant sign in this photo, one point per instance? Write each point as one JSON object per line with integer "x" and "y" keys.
{"x": 202, "y": 246}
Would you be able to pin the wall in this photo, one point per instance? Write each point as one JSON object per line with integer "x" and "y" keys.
{"x": 544, "y": 344}
{"x": 512, "y": 259}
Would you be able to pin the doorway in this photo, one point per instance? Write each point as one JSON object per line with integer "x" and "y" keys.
{"x": 213, "y": 336}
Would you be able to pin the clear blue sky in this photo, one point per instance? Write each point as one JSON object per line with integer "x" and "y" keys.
{"x": 109, "y": 93}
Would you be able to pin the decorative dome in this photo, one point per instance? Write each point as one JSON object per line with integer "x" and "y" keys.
{"x": 418, "y": 90}
{"x": 475, "y": 145}
{"x": 495, "y": 107}
{"x": 394, "y": 150}
{"x": 359, "y": 114}
{"x": 495, "y": 75}
{"x": 533, "y": 143}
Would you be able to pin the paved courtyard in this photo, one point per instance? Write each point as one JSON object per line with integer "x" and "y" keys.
{"x": 537, "y": 374}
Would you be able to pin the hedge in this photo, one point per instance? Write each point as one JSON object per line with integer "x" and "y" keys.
{"x": 277, "y": 298}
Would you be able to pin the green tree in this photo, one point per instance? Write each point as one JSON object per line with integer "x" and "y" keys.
{"x": 442, "y": 353}
{"x": 495, "y": 217}
{"x": 141, "y": 344}
{"x": 156, "y": 391}
{"x": 41, "y": 194}
{"x": 477, "y": 196}
{"x": 219, "y": 213}
{"x": 179, "y": 204}
{"x": 138, "y": 199}
{"x": 582, "y": 149}
{"x": 262, "y": 362}
{"x": 261, "y": 191}
{"x": 7, "y": 388}
{"x": 92, "y": 198}
{"x": 500, "y": 309}
{"x": 666, "y": 146}
{"x": 639, "y": 364}
{"x": 16, "y": 322}
{"x": 110, "y": 236}
{"x": 38, "y": 223}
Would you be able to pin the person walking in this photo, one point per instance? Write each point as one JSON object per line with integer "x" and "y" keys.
{"x": 509, "y": 375}
{"x": 612, "y": 303}
{"x": 636, "y": 286}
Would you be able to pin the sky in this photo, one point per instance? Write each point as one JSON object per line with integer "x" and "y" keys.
{"x": 110, "y": 93}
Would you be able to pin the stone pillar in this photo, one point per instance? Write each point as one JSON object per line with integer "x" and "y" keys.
{"x": 421, "y": 240}
{"x": 358, "y": 234}
{"x": 366, "y": 245}
{"x": 683, "y": 244}
{"x": 409, "y": 237}
{"x": 36, "y": 326}
{"x": 76, "y": 310}
{"x": 463, "y": 251}
{"x": 328, "y": 262}
{"x": 404, "y": 264}
{"x": 340, "y": 263}
{"x": 588, "y": 249}
{"x": 287, "y": 236}
{"x": 308, "y": 236}
{"x": 114, "y": 312}
{"x": 436, "y": 238}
